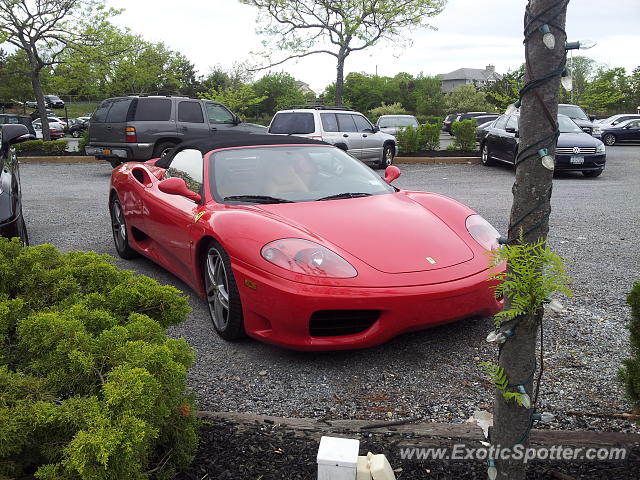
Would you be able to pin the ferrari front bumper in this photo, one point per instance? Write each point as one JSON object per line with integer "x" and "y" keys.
{"x": 279, "y": 311}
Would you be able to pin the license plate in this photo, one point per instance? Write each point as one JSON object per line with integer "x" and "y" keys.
{"x": 107, "y": 151}
{"x": 576, "y": 160}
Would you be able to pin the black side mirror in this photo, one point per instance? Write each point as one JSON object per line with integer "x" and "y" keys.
{"x": 511, "y": 130}
{"x": 376, "y": 129}
{"x": 592, "y": 117}
{"x": 237, "y": 120}
{"x": 13, "y": 133}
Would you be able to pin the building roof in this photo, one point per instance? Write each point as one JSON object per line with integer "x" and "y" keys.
{"x": 476, "y": 74}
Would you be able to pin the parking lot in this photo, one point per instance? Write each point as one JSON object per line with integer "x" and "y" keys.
{"x": 432, "y": 374}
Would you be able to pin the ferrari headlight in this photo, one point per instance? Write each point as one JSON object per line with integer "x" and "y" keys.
{"x": 483, "y": 232}
{"x": 600, "y": 148}
{"x": 308, "y": 258}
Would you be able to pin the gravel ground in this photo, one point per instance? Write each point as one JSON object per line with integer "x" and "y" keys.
{"x": 432, "y": 374}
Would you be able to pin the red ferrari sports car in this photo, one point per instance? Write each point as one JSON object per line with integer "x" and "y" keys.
{"x": 293, "y": 242}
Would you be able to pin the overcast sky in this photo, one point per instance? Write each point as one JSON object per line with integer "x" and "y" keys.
{"x": 470, "y": 33}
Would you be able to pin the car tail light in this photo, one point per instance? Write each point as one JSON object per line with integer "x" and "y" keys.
{"x": 130, "y": 133}
{"x": 483, "y": 232}
{"x": 308, "y": 258}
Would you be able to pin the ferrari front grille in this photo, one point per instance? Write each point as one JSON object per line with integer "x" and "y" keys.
{"x": 334, "y": 323}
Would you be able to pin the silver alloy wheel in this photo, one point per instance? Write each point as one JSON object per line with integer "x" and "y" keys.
{"x": 609, "y": 139}
{"x": 119, "y": 226}
{"x": 485, "y": 154}
{"x": 217, "y": 285}
{"x": 388, "y": 156}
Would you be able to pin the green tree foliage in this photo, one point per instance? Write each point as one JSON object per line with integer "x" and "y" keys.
{"x": 505, "y": 91}
{"x": 14, "y": 83}
{"x": 92, "y": 387}
{"x": 278, "y": 91}
{"x": 606, "y": 92}
{"x": 242, "y": 100}
{"x": 392, "y": 109}
{"x": 467, "y": 98}
{"x": 339, "y": 27}
{"x": 582, "y": 73}
{"x": 428, "y": 94}
{"x": 629, "y": 374}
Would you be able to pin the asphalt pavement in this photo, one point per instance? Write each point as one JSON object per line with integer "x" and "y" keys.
{"x": 433, "y": 374}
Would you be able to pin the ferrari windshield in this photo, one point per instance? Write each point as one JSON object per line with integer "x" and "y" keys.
{"x": 290, "y": 173}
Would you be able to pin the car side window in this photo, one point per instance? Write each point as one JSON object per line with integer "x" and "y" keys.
{"x": 346, "y": 123}
{"x": 635, "y": 124}
{"x": 362, "y": 124}
{"x": 100, "y": 115}
{"x": 329, "y": 122}
{"x": 119, "y": 110}
{"x": 218, "y": 114}
{"x": 512, "y": 122}
{"x": 501, "y": 122}
{"x": 188, "y": 165}
{"x": 190, "y": 112}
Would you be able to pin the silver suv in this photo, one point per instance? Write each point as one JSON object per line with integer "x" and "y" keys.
{"x": 340, "y": 126}
{"x": 145, "y": 127}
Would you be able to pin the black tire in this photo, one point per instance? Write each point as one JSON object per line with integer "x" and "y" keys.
{"x": 387, "y": 156}
{"x": 162, "y": 148}
{"x": 114, "y": 162}
{"x": 485, "y": 156}
{"x": 120, "y": 231}
{"x": 223, "y": 298}
{"x": 609, "y": 139}
{"x": 593, "y": 173}
{"x": 76, "y": 133}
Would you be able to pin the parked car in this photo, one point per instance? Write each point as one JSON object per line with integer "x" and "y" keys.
{"x": 575, "y": 150}
{"x": 578, "y": 115}
{"x": 76, "y": 127}
{"x": 392, "y": 124}
{"x": 36, "y": 114}
{"x": 481, "y": 130}
{"x": 612, "y": 122}
{"x": 448, "y": 120}
{"x": 346, "y": 129}
{"x": 54, "y": 122}
{"x": 12, "y": 223}
{"x": 479, "y": 117}
{"x": 13, "y": 119}
{"x": 144, "y": 127}
{"x": 50, "y": 101}
{"x": 624, "y": 132}
{"x": 54, "y": 133}
{"x": 260, "y": 225}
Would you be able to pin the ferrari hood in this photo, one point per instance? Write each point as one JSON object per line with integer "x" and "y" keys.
{"x": 391, "y": 233}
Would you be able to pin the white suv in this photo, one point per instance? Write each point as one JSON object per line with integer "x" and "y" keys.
{"x": 341, "y": 127}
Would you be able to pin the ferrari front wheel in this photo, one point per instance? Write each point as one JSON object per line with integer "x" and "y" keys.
{"x": 223, "y": 298}
{"x": 119, "y": 229}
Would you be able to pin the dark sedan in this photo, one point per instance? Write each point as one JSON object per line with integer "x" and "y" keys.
{"x": 11, "y": 220}
{"x": 624, "y": 132}
{"x": 575, "y": 150}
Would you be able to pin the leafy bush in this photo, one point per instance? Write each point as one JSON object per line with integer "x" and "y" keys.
{"x": 83, "y": 142}
{"x": 53, "y": 147}
{"x": 629, "y": 374}
{"x": 391, "y": 109}
{"x": 431, "y": 135}
{"x": 91, "y": 386}
{"x": 465, "y": 133}
{"x": 408, "y": 139}
{"x": 430, "y": 119}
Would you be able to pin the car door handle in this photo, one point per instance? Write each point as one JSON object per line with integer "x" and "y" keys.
{"x": 364, "y": 134}
{"x": 214, "y": 129}
{"x": 184, "y": 129}
{"x": 345, "y": 135}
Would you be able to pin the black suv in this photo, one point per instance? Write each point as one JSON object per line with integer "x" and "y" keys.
{"x": 145, "y": 127}
{"x": 50, "y": 101}
{"x": 12, "y": 119}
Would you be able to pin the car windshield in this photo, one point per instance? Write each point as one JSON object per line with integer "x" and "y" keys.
{"x": 291, "y": 173}
{"x": 572, "y": 111}
{"x": 386, "y": 122}
{"x": 566, "y": 125}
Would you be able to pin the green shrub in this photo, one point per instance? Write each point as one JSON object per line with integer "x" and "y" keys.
{"x": 83, "y": 142}
{"x": 431, "y": 135}
{"x": 384, "y": 109}
{"x": 431, "y": 119}
{"x": 629, "y": 374}
{"x": 465, "y": 134}
{"x": 53, "y": 147}
{"x": 408, "y": 140}
{"x": 92, "y": 387}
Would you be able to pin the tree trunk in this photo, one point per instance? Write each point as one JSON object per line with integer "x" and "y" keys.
{"x": 42, "y": 109}
{"x": 340, "y": 77}
{"x": 530, "y": 214}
